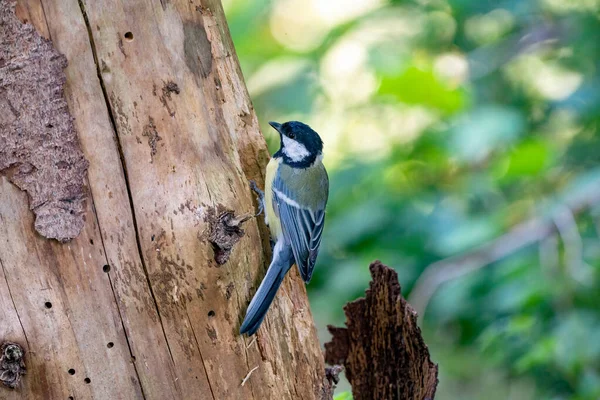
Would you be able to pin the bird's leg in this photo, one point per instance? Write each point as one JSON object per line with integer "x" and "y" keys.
{"x": 260, "y": 197}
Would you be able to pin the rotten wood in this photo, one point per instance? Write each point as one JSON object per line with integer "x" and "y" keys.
{"x": 330, "y": 382}
{"x": 381, "y": 348}
{"x": 12, "y": 364}
{"x": 137, "y": 306}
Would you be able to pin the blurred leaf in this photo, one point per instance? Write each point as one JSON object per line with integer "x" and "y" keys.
{"x": 589, "y": 385}
{"x": 576, "y": 344}
{"x": 541, "y": 353}
{"x": 416, "y": 86}
{"x": 528, "y": 158}
{"x": 343, "y": 396}
{"x": 463, "y": 233}
{"x": 485, "y": 129}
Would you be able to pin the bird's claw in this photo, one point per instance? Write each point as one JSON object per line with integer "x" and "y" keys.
{"x": 260, "y": 198}
{"x": 261, "y": 208}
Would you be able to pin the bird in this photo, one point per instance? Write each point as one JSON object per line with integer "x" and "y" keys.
{"x": 296, "y": 193}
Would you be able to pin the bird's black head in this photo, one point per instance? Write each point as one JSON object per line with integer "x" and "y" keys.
{"x": 300, "y": 145}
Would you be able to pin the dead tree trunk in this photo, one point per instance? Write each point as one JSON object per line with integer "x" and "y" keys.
{"x": 381, "y": 346}
{"x": 146, "y": 298}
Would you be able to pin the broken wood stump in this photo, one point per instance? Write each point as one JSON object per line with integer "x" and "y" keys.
{"x": 381, "y": 348}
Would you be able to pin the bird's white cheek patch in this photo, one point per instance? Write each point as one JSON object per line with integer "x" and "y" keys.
{"x": 294, "y": 150}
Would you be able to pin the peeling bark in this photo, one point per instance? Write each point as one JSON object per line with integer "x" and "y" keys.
{"x": 39, "y": 148}
{"x": 381, "y": 348}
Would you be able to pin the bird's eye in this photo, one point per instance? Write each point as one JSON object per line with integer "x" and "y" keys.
{"x": 291, "y": 135}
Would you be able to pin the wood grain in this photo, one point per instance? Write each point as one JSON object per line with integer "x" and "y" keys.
{"x": 165, "y": 121}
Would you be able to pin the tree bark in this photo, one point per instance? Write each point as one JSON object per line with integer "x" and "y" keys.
{"x": 147, "y": 299}
{"x": 381, "y": 347}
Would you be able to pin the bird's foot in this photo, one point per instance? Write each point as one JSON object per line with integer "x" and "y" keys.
{"x": 260, "y": 198}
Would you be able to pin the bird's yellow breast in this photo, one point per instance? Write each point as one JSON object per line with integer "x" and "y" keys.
{"x": 271, "y": 217}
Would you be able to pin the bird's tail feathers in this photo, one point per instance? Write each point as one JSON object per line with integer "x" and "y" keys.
{"x": 266, "y": 292}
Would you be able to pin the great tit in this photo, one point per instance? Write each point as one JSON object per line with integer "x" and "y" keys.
{"x": 296, "y": 192}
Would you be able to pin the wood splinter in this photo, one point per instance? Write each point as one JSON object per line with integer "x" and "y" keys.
{"x": 248, "y": 376}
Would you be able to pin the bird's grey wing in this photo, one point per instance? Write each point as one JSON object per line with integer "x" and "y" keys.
{"x": 315, "y": 242}
{"x": 302, "y": 228}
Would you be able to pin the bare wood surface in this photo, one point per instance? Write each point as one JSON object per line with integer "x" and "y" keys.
{"x": 65, "y": 307}
{"x": 140, "y": 306}
{"x": 381, "y": 347}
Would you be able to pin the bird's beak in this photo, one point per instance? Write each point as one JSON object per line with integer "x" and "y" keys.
{"x": 276, "y": 126}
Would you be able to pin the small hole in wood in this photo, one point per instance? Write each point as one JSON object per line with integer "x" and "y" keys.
{"x": 129, "y": 36}
{"x": 110, "y": 345}
{"x": 133, "y": 358}
{"x": 71, "y": 371}
{"x": 92, "y": 242}
{"x": 48, "y": 304}
{"x": 211, "y": 313}
{"x": 87, "y": 380}
{"x": 106, "y": 268}
{"x": 71, "y": 398}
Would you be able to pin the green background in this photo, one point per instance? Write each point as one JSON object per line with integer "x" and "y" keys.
{"x": 447, "y": 123}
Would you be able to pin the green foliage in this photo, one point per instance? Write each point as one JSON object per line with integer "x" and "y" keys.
{"x": 446, "y": 123}
{"x": 417, "y": 86}
{"x": 343, "y": 396}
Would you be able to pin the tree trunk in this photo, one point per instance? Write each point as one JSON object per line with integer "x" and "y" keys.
{"x": 147, "y": 299}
